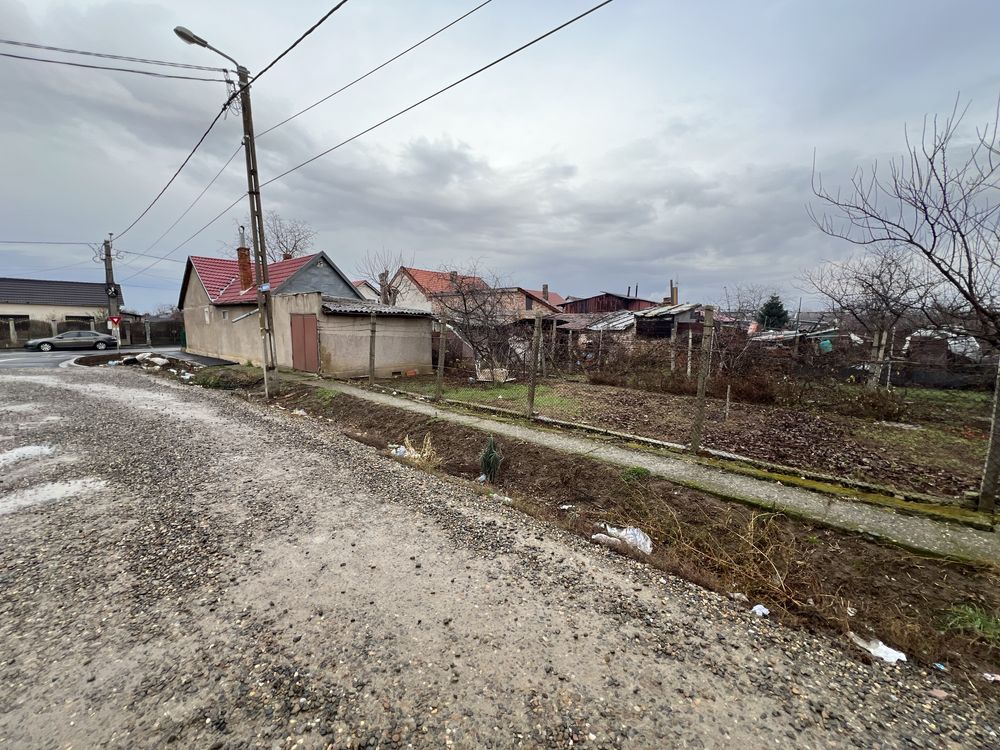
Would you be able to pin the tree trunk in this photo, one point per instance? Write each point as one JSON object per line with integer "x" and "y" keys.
{"x": 878, "y": 354}
{"x": 991, "y": 472}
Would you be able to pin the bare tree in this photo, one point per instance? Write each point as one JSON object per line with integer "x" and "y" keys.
{"x": 485, "y": 315}
{"x": 873, "y": 292}
{"x": 940, "y": 203}
{"x": 380, "y": 268}
{"x": 283, "y": 238}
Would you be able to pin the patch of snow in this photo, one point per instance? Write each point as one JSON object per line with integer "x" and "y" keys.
{"x": 19, "y": 408}
{"x": 47, "y": 493}
{"x": 26, "y": 451}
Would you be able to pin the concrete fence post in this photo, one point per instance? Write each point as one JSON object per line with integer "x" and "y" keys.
{"x": 442, "y": 351}
{"x": 703, "y": 366}
{"x": 690, "y": 350}
{"x": 371, "y": 354}
{"x": 55, "y": 327}
{"x": 673, "y": 345}
{"x": 13, "y": 330}
{"x": 149, "y": 338}
{"x": 536, "y": 340}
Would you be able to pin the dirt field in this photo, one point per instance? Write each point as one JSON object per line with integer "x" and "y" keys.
{"x": 939, "y": 450}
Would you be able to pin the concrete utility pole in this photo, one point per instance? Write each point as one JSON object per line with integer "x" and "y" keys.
{"x": 442, "y": 351}
{"x": 109, "y": 280}
{"x": 111, "y": 289}
{"x": 703, "y": 367}
{"x": 536, "y": 341}
{"x": 264, "y": 302}
{"x": 371, "y": 354}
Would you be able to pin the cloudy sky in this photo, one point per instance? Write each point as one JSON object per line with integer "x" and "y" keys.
{"x": 652, "y": 140}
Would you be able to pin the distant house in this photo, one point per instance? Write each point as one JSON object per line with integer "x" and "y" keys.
{"x": 321, "y": 321}
{"x": 607, "y": 302}
{"x": 54, "y": 301}
{"x": 367, "y": 290}
{"x": 418, "y": 286}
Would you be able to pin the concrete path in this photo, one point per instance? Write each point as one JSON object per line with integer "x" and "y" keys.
{"x": 920, "y": 534}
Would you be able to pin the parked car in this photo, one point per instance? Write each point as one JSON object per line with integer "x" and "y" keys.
{"x": 73, "y": 340}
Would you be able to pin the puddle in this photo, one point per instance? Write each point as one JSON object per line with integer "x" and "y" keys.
{"x": 47, "y": 493}
{"x": 19, "y": 454}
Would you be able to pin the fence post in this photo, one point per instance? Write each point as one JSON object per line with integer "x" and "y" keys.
{"x": 703, "y": 365}
{"x": 13, "y": 330}
{"x": 725, "y": 414}
{"x": 690, "y": 350}
{"x": 600, "y": 348}
{"x": 536, "y": 340}
{"x": 442, "y": 350}
{"x": 541, "y": 352}
{"x": 371, "y": 354}
{"x": 991, "y": 471}
{"x": 149, "y": 338}
{"x": 673, "y": 345}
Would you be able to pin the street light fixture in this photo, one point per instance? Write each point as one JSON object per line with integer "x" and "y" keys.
{"x": 256, "y": 213}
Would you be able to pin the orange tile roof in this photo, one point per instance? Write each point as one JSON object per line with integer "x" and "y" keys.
{"x": 439, "y": 282}
{"x": 221, "y": 277}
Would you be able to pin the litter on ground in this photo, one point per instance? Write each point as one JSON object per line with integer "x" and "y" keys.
{"x": 991, "y": 677}
{"x": 633, "y": 537}
{"x": 878, "y": 649}
{"x": 759, "y": 610}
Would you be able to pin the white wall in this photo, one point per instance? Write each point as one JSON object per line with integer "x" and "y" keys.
{"x": 410, "y": 294}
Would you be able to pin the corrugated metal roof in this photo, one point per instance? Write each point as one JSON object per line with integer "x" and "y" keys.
{"x": 616, "y": 321}
{"x": 668, "y": 311}
{"x": 42, "y": 292}
{"x": 344, "y": 306}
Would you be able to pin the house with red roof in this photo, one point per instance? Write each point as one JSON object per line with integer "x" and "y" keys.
{"x": 322, "y": 322}
{"x": 416, "y": 287}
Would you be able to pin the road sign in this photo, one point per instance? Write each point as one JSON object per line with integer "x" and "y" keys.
{"x": 115, "y": 319}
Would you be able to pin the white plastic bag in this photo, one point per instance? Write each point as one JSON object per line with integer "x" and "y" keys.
{"x": 760, "y": 610}
{"x": 878, "y": 649}
{"x": 633, "y": 537}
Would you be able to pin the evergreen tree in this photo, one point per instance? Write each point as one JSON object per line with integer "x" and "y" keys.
{"x": 772, "y": 314}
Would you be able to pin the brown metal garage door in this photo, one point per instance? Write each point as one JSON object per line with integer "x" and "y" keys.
{"x": 305, "y": 343}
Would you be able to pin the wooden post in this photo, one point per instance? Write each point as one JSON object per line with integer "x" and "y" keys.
{"x": 690, "y": 350}
{"x": 371, "y": 354}
{"x": 541, "y": 352}
{"x": 442, "y": 350}
{"x": 991, "y": 472}
{"x": 703, "y": 365}
{"x": 536, "y": 340}
{"x": 554, "y": 337}
{"x": 725, "y": 414}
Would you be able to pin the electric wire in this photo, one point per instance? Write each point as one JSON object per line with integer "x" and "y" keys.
{"x": 41, "y": 242}
{"x": 109, "y": 56}
{"x": 225, "y": 106}
{"x": 437, "y": 93}
{"x": 375, "y": 69}
{"x": 151, "y": 73}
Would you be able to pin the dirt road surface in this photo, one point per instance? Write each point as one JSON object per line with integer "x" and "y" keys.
{"x": 184, "y": 569}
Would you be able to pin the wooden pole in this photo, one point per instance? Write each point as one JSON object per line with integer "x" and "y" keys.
{"x": 703, "y": 365}
{"x": 442, "y": 351}
{"x": 541, "y": 352}
{"x": 536, "y": 340}
{"x": 725, "y": 414}
{"x": 371, "y": 354}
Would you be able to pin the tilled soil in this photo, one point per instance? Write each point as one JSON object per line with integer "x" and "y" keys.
{"x": 248, "y": 578}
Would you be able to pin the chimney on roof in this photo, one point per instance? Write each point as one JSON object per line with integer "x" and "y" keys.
{"x": 453, "y": 278}
{"x": 286, "y": 255}
{"x": 675, "y": 293}
{"x": 637, "y": 289}
{"x": 243, "y": 260}
{"x": 629, "y": 292}
{"x": 545, "y": 292}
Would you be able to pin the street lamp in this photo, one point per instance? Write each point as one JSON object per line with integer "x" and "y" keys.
{"x": 256, "y": 213}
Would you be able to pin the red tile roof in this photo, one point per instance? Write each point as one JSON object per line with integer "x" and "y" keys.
{"x": 439, "y": 282}
{"x": 221, "y": 277}
{"x": 554, "y": 299}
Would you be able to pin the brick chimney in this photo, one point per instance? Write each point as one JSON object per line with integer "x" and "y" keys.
{"x": 246, "y": 274}
{"x": 545, "y": 292}
{"x": 675, "y": 293}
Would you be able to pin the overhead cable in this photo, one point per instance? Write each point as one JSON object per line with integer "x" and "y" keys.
{"x": 150, "y": 73}
{"x": 109, "y": 56}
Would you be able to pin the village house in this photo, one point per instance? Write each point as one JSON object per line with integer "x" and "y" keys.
{"x": 417, "y": 286}
{"x": 367, "y": 289}
{"x": 54, "y": 301}
{"x": 322, "y": 323}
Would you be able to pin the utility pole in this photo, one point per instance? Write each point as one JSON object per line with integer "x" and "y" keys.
{"x": 111, "y": 289}
{"x": 442, "y": 351}
{"x": 990, "y": 488}
{"x": 371, "y": 353}
{"x": 536, "y": 340}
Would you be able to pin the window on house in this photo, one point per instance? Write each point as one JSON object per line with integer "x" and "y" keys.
{"x": 79, "y": 318}
{"x": 529, "y": 302}
{"x": 225, "y": 314}
{"x": 208, "y": 316}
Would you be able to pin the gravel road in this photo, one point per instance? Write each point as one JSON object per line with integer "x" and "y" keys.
{"x": 187, "y": 569}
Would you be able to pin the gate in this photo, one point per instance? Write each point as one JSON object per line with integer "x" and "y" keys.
{"x": 305, "y": 343}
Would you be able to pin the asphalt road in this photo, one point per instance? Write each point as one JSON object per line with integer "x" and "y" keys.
{"x": 183, "y": 568}
{"x": 21, "y": 358}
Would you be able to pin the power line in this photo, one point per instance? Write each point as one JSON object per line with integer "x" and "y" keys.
{"x": 439, "y": 92}
{"x": 375, "y": 69}
{"x": 42, "y": 242}
{"x": 110, "y": 56}
{"x": 109, "y": 67}
{"x": 229, "y": 100}
{"x": 147, "y": 255}
{"x": 218, "y": 216}
{"x": 307, "y": 32}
